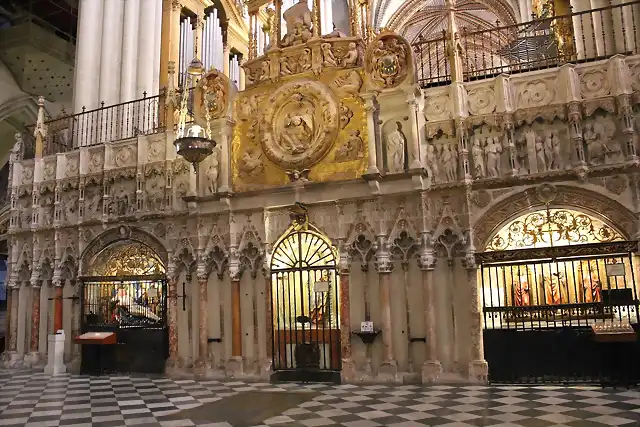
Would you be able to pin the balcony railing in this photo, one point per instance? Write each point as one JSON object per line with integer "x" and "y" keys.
{"x": 543, "y": 43}
{"x": 94, "y": 127}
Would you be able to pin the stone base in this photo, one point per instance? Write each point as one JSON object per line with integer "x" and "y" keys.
{"x": 74, "y": 365}
{"x": 266, "y": 369}
{"x": 235, "y": 366}
{"x": 479, "y": 371}
{"x": 202, "y": 366}
{"x": 32, "y": 359}
{"x": 348, "y": 373}
{"x": 388, "y": 371}
{"x": 13, "y": 360}
{"x": 55, "y": 357}
{"x": 174, "y": 366}
{"x": 431, "y": 371}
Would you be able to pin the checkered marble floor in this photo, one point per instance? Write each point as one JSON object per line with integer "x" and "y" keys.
{"x": 34, "y": 399}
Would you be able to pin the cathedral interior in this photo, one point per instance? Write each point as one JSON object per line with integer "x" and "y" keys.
{"x": 396, "y": 191}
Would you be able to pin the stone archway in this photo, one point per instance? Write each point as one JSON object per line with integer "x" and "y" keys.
{"x": 118, "y": 234}
{"x": 533, "y": 198}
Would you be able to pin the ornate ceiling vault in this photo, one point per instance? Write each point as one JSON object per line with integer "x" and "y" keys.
{"x": 428, "y": 18}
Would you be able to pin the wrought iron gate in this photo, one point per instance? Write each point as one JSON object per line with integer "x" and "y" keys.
{"x": 305, "y": 320}
{"x": 135, "y": 309}
{"x": 540, "y": 307}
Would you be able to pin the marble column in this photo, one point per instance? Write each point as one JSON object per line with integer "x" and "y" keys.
{"x": 371, "y": 106}
{"x": 172, "y": 321}
{"x": 348, "y": 367}
{"x": 432, "y": 368}
{"x": 146, "y": 51}
{"x": 203, "y": 324}
{"x": 478, "y": 368}
{"x": 12, "y": 321}
{"x": 35, "y": 322}
{"x": 235, "y": 363}
{"x": 57, "y": 306}
{"x": 157, "y": 47}
{"x": 227, "y": 127}
{"x": 388, "y": 370}
{"x": 267, "y": 363}
{"x": 316, "y": 18}
{"x": 130, "y": 51}
{"x": 225, "y": 60}
{"x": 87, "y": 68}
{"x": 7, "y": 337}
{"x": 111, "y": 53}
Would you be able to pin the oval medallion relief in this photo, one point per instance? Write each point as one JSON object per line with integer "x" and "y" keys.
{"x": 300, "y": 124}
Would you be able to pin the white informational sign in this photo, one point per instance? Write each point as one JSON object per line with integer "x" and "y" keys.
{"x": 615, "y": 269}
{"x": 366, "y": 326}
{"x": 319, "y": 287}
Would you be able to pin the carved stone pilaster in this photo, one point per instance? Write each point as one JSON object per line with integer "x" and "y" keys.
{"x": 478, "y": 367}
{"x": 463, "y": 150}
{"x": 510, "y": 145}
{"x": 627, "y": 119}
{"x": 574, "y": 116}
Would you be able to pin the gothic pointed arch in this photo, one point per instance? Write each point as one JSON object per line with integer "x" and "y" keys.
{"x": 565, "y": 204}
{"x": 130, "y": 238}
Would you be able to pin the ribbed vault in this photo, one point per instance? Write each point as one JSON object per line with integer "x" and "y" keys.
{"x": 412, "y": 18}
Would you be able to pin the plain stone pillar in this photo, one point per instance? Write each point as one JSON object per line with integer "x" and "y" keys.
{"x": 371, "y": 107}
{"x": 130, "y": 51}
{"x": 111, "y": 59}
{"x": 389, "y": 366}
{"x": 89, "y": 42}
{"x": 146, "y": 51}
{"x": 203, "y": 324}
{"x": 348, "y": 367}
{"x": 432, "y": 368}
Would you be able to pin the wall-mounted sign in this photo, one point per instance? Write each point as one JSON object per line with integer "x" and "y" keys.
{"x": 319, "y": 287}
{"x": 615, "y": 269}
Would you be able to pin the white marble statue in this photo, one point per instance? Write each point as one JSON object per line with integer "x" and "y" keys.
{"x": 298, "y": 20}
{"x": 556, "y": 152}
{"x": 478, "y": 158}
{"x": 431, "y": 163}
{"x": 493, "y": 148}
{"x": 328, "y": 58}
{"x": 395, "y": 149}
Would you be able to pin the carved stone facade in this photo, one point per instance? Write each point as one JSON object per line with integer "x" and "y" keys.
{"x": 430, "y": 176}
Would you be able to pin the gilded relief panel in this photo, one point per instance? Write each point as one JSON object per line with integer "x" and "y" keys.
{"x": 301, "y": 128}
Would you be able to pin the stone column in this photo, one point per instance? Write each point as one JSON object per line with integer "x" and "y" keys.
{"x": 34, "y": 355}
{"x": 225, "y": 60}
{"x": 415, "y": 162}
{"x": 129, "y": 52}
{"x": 12, "y": 321}
{"x": 389, "y": 366}
{"x": 371, "y": 106}
{"x": 172, "y": 319}
{"x": 111, "y": 53}
{"x": 203, "y": 324}
{"x": 225, "y": 155}
{"x": 478, "y": 368}
{"x": 348, "y": 367}
{"x": 266, "y": 365}
{"x": 87, "y": 68}
{"x": 316, "y": 19}
{"x": 10, "y": 314}
{"x": 236, "y": 319}
{"x": 603, "y": 28}
{"x": 432, "y": 368}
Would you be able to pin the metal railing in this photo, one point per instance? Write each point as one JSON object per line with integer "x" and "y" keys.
{"x": 101, "y": 125}
{"x": 542, "y": 43}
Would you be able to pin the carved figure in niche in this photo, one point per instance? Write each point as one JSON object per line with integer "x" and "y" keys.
{"x": 265, "y": 70}
{"x": 350, "y": 83}
{"x": 298, "y": 131}
{"x": 450, "y": 161}
{"x": 250, "y": 163}
{"x": 540, "y": 157}
{"x": 350, "y": 59}
{"x": 284, "y": 66}
{"x": 595, "y": 148}
{"x": 155, "y": 193}
{"x": 47, "y": 215}
{"x": 352, "y": 148}
{"x": 478, "y": 158}
{"x": 71, "y": 209}
{"x": 328, "y": 58}
{"x": 212, "y": 173}
{"x": 548, "y": 150}
{"x": 305, "y": 60}
{"x": 556, "y": 152}
{"x": 431, "y": 163}
{"x": 395, "y": 149}
{"x": 612, "y": 150}
{"x": 493, "y": 148}
{"x": 92, "y": 203}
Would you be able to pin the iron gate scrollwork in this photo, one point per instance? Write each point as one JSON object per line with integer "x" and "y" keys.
{"x": 305, "y": 321}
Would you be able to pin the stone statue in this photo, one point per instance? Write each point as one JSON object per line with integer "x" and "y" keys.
{"x": 350, "y": 59}
{"x": 265, "y": 70}
{"x": 478, "y": 158}
{"x": 450, "y": 161}
{"x": 395, "y": 149}
{"x": 298, "y": 132}
{"x": 540, "y": 157}
{"x": 328, "y": 58}
{"x": 431, "y": 163}
{"x": 595, "y": 150}
{"x": 352, "y": 148}
{"x": 493, "y": 149}
{"x": 212, "y": 173}
{"x": 556, "y": 152}
{"x": 548, "y": 150}
{"x": 298, "y": 19}
{"x": 284, "y": 66}
{"x": 250, "y": 164}
{"x": 270, "y": 27}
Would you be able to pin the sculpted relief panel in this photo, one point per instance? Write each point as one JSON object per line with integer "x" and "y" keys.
{"x": 302, "y": 130}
